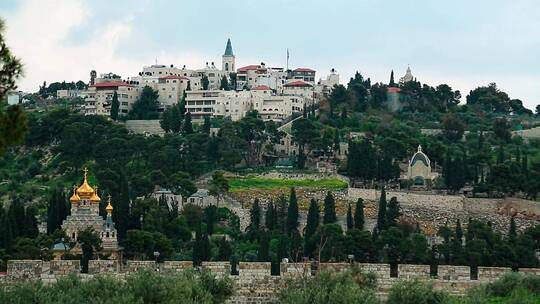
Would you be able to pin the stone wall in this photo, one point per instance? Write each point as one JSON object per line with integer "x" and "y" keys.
{"x": 101, "y": 267}
{"x": 490, "y": 274}
{"x": 255, "y": 284}
{"x": 454, "y": 273}
{"x": 134, "y": 266}
{"x": 220, "y": 269}
{"x": 175, "y": 266}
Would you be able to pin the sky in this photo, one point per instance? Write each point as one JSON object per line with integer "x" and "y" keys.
{"x": 464, "y": 44}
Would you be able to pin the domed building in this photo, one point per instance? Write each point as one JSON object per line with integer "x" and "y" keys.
{"x": 419, "y": 170}
{"x": 85, "y": 202}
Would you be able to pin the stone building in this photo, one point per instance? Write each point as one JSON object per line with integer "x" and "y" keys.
{"x": 85, "y": 214}
{"x": 419, "y": 169}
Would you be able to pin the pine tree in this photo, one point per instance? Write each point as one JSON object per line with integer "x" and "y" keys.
{"x": 292, "y": 213}
{"x": 381, "y": 215}
{"x": 115, "y": 106}
{"x": 359, "y": 214}
{"x": 392, "y": 212}
{"x": 350, "y": 220}
{"x": 270, "y": 217}
{"x": 188, "y": 127}
{"x": 255, "y": 216}
{"x": 264, "y": 248}
{"x": 392, "y": 83}
{"x": 329, "y": 209}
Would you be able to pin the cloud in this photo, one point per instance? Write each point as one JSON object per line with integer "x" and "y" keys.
{"x": 38, "y": 33}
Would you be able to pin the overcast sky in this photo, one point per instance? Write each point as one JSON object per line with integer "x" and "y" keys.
{"x": 462, "y": 43}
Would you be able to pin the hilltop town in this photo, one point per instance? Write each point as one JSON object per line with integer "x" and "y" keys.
{"x": 266, "y": 172}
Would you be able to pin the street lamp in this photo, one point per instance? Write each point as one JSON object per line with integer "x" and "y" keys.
{"x": 156, "y": 255}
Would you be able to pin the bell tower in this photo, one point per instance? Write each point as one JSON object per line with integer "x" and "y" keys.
{"x": 228, "y": 59}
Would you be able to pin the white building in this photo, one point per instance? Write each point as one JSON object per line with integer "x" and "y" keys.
{"x": 325, "y": 86}
{"x": 407, "y": 77}
{"x": 419, "y": 169}
{"x": 99, "y": 97}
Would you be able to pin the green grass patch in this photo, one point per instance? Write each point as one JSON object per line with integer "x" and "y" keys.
{"x": 251, "y": 183}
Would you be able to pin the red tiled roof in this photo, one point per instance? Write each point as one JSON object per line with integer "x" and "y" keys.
{"x": 174, "y": 77}
{"x": 262, "y": 88}
{"x": 394, "y": 90}
{"x": 110, "y": 84}
{"x": 304, "y": 70}
{"x": 249, "y": 68}
{"x": 298, "y": 83}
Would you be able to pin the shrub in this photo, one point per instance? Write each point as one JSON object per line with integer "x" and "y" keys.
{"x": 142, "y": 287}
{"x": 415, "y": 292}
{"x": 329, "y": 287}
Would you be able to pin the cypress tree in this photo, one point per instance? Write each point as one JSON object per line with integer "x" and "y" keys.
{"x": 270, "y": 218}
{"x": 6, "y": 235}
{"x": 329, "y": 209}
{"x": 313, "y": 220}
{"x": 381, "y": 215}
{"x": 459, "y": 230}
{"x": 115, "y": 106}
{"x": 512, "y": 233}
{"x": 121, "y": 208}
{"x": 175, "y": 119}
{"x": 281, "y": 214}
{"x": 350, "y": 220}
{"x": 292, "y": 213}
{"x": 359, "y": 214}
{"x": 224, "y": 250}
{"x": 17, "y": 218}
{"x": 392, "y": 212}
{"x": 206, "y": 125}
{"x": 392, "y": 83}
{"x": 264, "y": 248}
{"x": 188, "y": 127}
{"x": 30, "y": 223}
{"x": 52, "y": 212}
{"x": 282, "y": 247}
{"x": 255, "y": 216}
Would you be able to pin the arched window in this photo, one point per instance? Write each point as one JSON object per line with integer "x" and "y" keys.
{"x": 226, "y": 66}
{"x": 107, "y": 233}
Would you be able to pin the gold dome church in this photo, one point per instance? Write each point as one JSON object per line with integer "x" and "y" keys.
{"x": 85, "y": 214}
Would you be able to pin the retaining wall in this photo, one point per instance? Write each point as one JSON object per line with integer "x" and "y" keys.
{"x": 255, "y": 282}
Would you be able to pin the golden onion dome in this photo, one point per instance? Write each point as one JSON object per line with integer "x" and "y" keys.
{"x": 74, "y": 198}
{"x": 109, "y": 207}
{"x": 95, "y": 198}
{"x": 85, "y": 191}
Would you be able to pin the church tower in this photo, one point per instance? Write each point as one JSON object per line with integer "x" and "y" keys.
{"x": 228, "y": 59}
